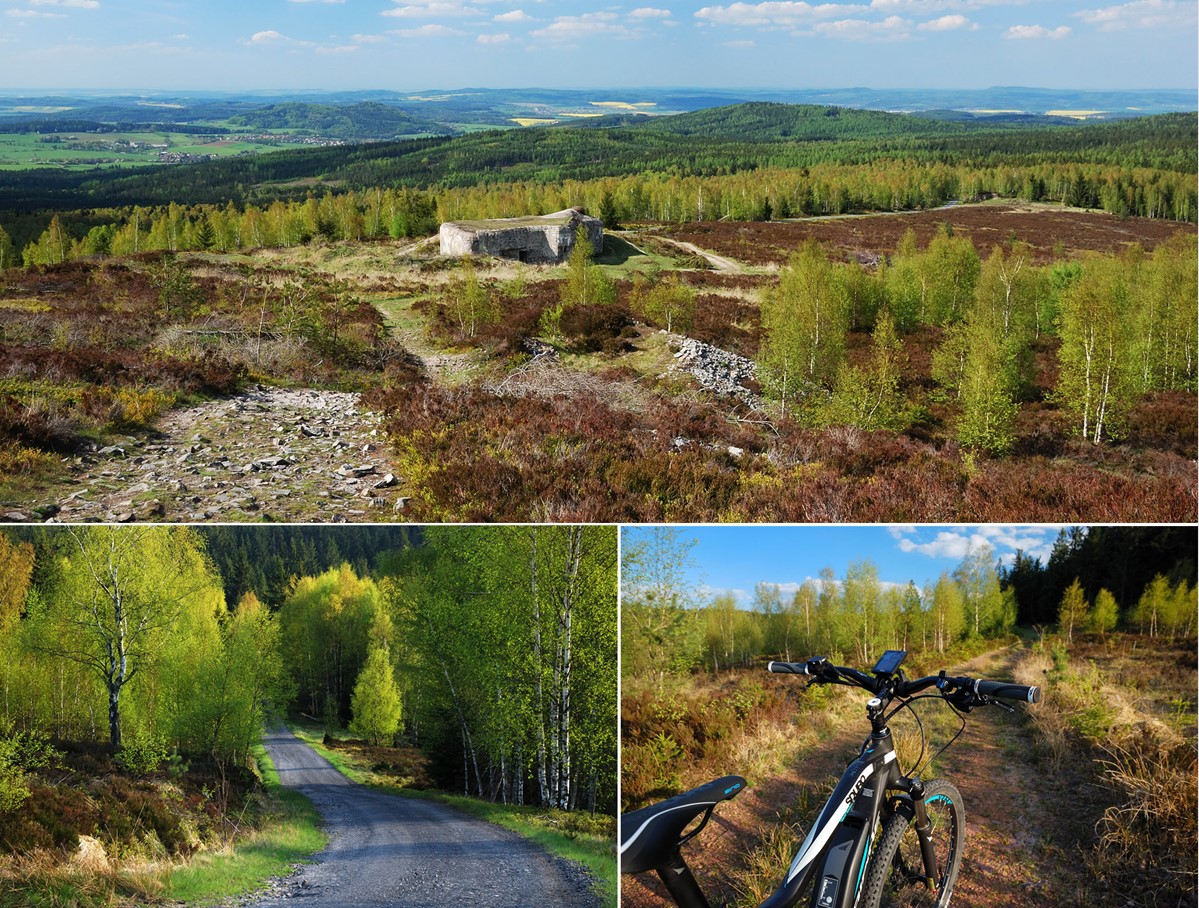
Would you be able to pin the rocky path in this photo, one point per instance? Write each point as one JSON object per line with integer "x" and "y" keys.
{"x": 268, "y": 454}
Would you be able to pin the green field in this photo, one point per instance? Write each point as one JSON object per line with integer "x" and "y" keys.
{"x": 84, "y": 151}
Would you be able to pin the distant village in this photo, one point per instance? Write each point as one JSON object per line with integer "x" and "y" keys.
{"x": 166, "y": 156}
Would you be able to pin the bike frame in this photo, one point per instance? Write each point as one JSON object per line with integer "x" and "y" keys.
{"x": 837, "y": 849}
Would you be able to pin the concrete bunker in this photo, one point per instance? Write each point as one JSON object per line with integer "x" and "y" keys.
{"x": 537, "y": 239}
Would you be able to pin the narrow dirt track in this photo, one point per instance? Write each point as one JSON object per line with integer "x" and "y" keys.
{"x": 408, "y": 853}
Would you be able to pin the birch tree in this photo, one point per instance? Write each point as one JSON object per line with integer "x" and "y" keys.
{"x": 121, "y": 594}
{"x": 1096, "y": 382}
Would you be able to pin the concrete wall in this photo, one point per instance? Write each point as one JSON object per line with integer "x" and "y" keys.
{"x": 537, "y": 240}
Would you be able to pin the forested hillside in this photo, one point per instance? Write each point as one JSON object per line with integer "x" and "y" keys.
{"x": 704, "y": 144}
{"x": 365, "y": 120}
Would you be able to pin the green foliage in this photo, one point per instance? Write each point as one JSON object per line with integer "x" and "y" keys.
{"x": 470, "y": 305}
{"x": 510, "y": 636}
{"x": 804, "y": 321}
{"x": 375, "y": 702}
{"x": 177, "y": 291}
{"x": 1104, "y": 613}
{"x": 661, "y": 632}
{"x": 586, "y": 284}
{"x": 8, "y": 257}
{"x": 52, "y": 247}
{"x": 987, "y": 389}
{"x": 1072, "y": 612}
{"x": 126, "y": 598}
{"x": 669, "y": 303}
{"x": 20, "y": 752}
{"x": 142, "y": 752}
{"x": 1095, "y": 325}
{"x": 868, "y": 396}
{"x": 325, "y": 625}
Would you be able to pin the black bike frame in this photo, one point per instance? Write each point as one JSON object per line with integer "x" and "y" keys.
{"x": 837, "y": 849}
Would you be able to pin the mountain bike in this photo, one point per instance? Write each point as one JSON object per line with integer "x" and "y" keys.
{"x": 882, "y": 840}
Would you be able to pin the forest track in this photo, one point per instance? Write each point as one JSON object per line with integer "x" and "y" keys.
{"x": 718, "y": 262}
{"x": 267, "y": 454}
{"x": 409, "y": 853}
{"x": 1026, "y": 822}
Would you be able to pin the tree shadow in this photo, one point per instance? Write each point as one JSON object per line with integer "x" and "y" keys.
{"x": 617, "y": 251}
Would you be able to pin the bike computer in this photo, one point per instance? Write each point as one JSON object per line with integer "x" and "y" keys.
{"x": 889, "y": 662}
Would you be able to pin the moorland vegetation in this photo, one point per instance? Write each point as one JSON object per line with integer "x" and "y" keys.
{"x": 1020, "y": 361}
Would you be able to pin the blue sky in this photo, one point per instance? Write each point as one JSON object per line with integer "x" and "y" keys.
{"x": 736, "y": 558}
{"x": 418, "y": 44}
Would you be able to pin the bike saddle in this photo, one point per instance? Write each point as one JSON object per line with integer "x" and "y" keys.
{"x": 649, "y": 836}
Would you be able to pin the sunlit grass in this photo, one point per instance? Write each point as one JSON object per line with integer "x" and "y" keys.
{"x": 290, "y": 834}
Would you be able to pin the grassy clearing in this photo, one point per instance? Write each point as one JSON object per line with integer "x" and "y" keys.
{"x": 587, "y": 840}
{"x": 1104, "y": 705}
{"x": 290, "y": 834}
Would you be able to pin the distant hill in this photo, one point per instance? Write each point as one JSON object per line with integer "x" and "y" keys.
{"x": 364, "y": 120}
{"x": 758, "y": 120}
{"x": 720, "y": 140}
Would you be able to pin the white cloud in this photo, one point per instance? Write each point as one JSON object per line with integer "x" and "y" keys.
{"x": 570, "y": 28}
{"x": 73, "y": 4}
{"x": 893, "y": 28}
{"x": 270, "y": 37}
{"x": 1141, "y": 14}
{"x": 773, "y": 13}
{"x": 1031, "y": 32}
{"x": 740, "y": 44}
{"x": 426, "y": 31}
{"x": 433, "y": 9}
{"x": 948, "y": 24}
{"x": 316, "y": 1}
{"x": 517, "y": 15}
{"x": 502, "y": 38}
{"x": 649, "y": 12}
{"x": 337, "y": 49}
{"x": 1004, "y": 540}
{"x": 32, "y": 14}
{"x": 931, "y": 6}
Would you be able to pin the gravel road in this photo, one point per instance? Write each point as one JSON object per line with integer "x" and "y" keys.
{"x": 409, "y": 853}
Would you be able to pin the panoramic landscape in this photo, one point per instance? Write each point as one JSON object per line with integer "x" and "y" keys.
{"x": 793, "y": 311}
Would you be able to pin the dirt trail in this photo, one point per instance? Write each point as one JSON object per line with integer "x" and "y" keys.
{"x": 718, "y": 262}
{"x": 408, "y": 853}
{"x": 267, "y": 454}
{"x": 1024, "y": 820}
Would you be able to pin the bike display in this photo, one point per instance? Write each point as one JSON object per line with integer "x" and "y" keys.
{"x": 882, "y": 840}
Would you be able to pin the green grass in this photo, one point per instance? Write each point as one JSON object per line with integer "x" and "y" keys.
{"x": 576, "y": 837}
{"x": 290, "y": 834}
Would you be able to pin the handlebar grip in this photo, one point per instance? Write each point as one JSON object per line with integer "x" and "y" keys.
{"x": 1008, "y": 691}
{"x": 788, "y": 668}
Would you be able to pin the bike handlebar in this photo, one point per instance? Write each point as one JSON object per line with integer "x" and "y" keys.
{"x": 820, "y": 669}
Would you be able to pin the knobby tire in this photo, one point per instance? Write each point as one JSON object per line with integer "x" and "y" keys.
{"x": 895, "y": 876}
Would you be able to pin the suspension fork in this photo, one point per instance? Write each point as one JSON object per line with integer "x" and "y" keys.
{"x": 922, "y": 827}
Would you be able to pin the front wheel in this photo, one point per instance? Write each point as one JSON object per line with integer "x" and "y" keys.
{"x": 896, "y": 876}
